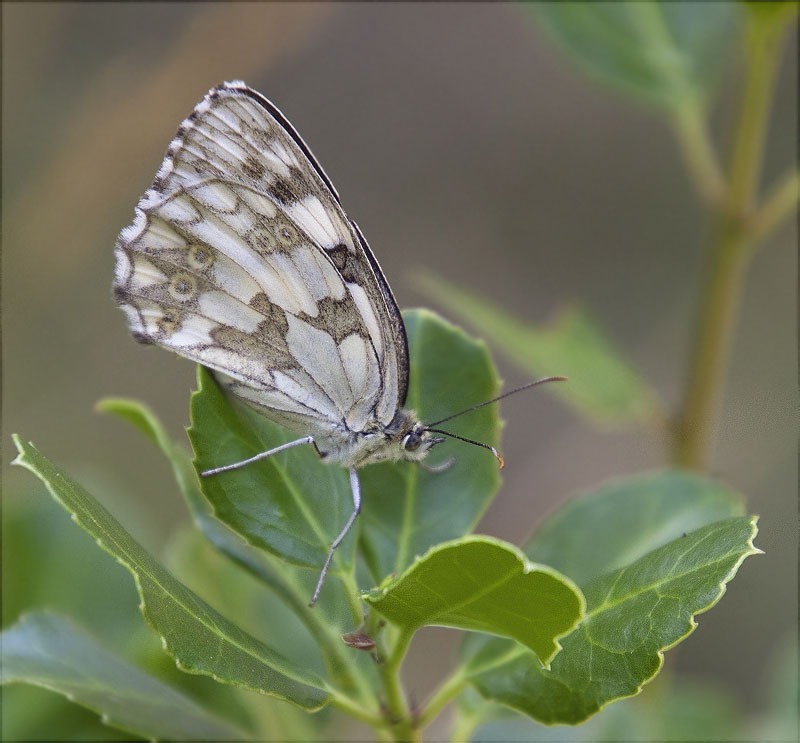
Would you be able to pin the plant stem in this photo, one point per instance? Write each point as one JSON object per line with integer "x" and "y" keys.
{"x": 465, "y": 725}
{"x": 712, "y": 345}
{"x": 353, "y": 597}
{"x": 763, "y": 53}
{"x": 688, "y": 116}
{"x": 780, "y": 202}
{"x": 730, "y": 251}
{"x": 445, "y": 694}
{"x": 694, "y": 140}
{"x": 403, "y": 725}
{"x": 354, "y": 709}
{"x": 337, "y": 656}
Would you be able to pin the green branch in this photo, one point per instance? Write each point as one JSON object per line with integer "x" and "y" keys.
{"x": 687, "y": 110}
{"x": 731, "y": 247}
{"x": 355, "y": 709}
{"x": 697, "y": 150}
{"x": 404, "y": 727}
{"x": 445, "y": 694}
{"x": 781, "y": 201}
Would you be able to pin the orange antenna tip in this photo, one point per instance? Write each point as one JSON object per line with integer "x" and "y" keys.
{"x": 500, "y": 459}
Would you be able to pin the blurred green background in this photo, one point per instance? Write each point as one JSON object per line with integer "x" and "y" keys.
{"x": 464, "y": 143}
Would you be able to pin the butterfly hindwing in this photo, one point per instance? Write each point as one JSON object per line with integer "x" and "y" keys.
{"x": 241, "y": 258}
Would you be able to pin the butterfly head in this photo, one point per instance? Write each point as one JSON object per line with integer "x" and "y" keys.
{"x": 417, "y": 442}
{"x": 408, "y": 438}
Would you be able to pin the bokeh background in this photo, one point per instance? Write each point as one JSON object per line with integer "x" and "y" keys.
{"x": 465, "y": 144}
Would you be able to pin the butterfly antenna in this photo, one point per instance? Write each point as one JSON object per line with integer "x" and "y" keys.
{"x": 470, "y": 441}
{"x": 497, "y": 399}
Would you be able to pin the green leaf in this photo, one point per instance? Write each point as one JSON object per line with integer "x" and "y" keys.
{"x": 636, "y": 514}
{"x": 685, "y": 710}
{"x": 664, "y": 54}
{"x": 41, "y": 549}
{"x": 779, "y": 719}
{"x": 199, "y": 638}
{"x": 293, "y": 505}
{"x": 633, "y": 615}
{"x": 31, "y": 713}
{"x": 257, "y": 608}
{"x": 691, "y": 710}
{"x": 769, "y": 13}
{"x": 227, "y": 541}
{"x": 284, "y": 582}
{"x": 485, "y": 585}
{"x": 47, "y": 650}
{"x": 602, "y": 386}
{"x": 406, "y": 509}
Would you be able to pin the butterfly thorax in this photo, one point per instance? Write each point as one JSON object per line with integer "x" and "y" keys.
{"x": 404, "y": 438}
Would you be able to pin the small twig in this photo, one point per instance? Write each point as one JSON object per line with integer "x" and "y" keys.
{"x": 777, "y": 205}
{"x": 446, "y": 693}
{"x": 355, "y": 709}
{"x": 694, "y": 140}
{"x": 730, "y": 251}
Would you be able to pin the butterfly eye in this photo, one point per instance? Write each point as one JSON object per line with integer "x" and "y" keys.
{"x": 412, "y": 441}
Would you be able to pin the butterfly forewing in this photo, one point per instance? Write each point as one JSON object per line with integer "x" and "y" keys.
{"x": 241, "y": 258}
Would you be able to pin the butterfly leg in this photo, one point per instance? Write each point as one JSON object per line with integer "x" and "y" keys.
{"x": 262, "y": 455}
{"x": 355, "y": 486}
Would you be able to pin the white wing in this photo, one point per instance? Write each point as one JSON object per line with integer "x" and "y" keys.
{"x": 241, "y": 258}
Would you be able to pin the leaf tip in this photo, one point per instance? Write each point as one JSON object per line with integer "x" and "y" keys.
{"x": 104, "y": 405}
{"x": 19, "y": 460}
{"x": 118, "y": 406}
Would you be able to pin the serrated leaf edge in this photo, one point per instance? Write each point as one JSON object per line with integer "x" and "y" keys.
{"x": 527, "y": 567}
{"x": 104, "y": 717}
{"x": 515, "y": 653}
{"x": 20, "y": 460}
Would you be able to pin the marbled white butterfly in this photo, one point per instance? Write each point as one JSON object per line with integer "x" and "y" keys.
{"x": 241, "y": 258}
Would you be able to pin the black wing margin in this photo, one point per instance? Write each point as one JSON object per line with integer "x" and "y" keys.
{"x": 396, "y": 319}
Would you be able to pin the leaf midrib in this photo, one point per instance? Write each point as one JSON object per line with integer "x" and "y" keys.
{"x": 608, "y": 605}
{"x": 135, "y": 568}
{"x": 514, "y": 653}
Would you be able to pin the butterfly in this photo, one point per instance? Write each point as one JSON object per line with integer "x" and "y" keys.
{"x": 241, "y": 258}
